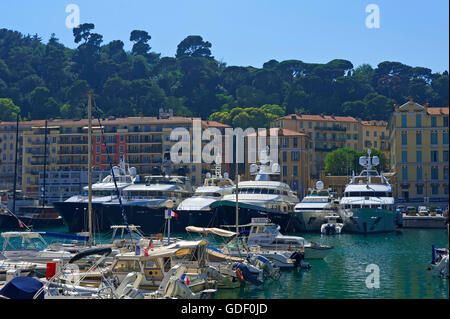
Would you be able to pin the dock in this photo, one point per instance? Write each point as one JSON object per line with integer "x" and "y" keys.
{"x": 425, "y": 221}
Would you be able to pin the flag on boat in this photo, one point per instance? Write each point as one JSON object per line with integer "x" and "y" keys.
{"x": 185, "y": 279}
{"x": 20, "y": 225}
{"x": 172, "y": 214}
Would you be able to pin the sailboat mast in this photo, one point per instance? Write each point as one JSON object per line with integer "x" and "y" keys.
{"x": 45, "y": 164}
{"x": 90, "y": 93}
{"x": 15, "y": 165}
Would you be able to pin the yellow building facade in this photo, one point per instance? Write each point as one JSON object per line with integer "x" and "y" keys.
{"x": 294, "y": 152}
{"x": 420, "y": 152}
{"x": 327, "y": 132}
{"x": 375, "y": 134}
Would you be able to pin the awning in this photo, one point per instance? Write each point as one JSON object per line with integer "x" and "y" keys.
{"x": 214, "y": 231}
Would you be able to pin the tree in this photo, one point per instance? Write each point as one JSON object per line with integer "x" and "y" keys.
{"x": 194, "y": 46}
{"x": 341, "y": 162}
{"x": 8, "y": 110}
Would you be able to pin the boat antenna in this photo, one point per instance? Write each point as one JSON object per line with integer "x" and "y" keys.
{"x": 45, "y": 164}
{"x": 90, "y": 94}
{"x": 15, "y": 165}
{"x": 124, "y": 216}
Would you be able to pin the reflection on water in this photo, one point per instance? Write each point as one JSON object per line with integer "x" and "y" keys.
{"x": 401, "y": 256}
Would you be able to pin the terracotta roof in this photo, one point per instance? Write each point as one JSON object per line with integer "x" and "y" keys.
{"x": 280, "y": 132}
{"x": 374, "y": 123}
{"x": 309, "y": 117}
{"x": 437, "y": 110}
{"x": 215, "y": 124}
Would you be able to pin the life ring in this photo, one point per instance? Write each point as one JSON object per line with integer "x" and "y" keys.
{"x": 239, "y": 274}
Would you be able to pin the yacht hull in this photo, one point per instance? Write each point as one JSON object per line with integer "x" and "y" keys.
{"x": 368, "y": 220}
{"x": 311, "y": 221}
{"x": 75, "y": 216}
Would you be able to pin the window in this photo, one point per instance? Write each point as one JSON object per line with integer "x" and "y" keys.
{"x": 403, "y": 120}
{"x": 419, "y": 173}
{"x": 405, "y": 173}
{"x": 295, "y": 156}
{"x": 434, "y": 173}
{"x": 446, "y": 121}
{"x": 367, "y": 133}
{"x": 295, "y": 170}
{"x": 310, "y": 124}
{"x": 97, "y": 139}
{"x": 97, "y": 159}
{"x": 433, "y": 138}
{"x": 284, "y": 157}
{"x": 445, "y": 172}
{"x": 419, "y": 189}
{"x": 121, "y": 149}
{"x": 404, "y": 139}
{"x": 121, "y": 138}
{"x": 419, "y": 156}
{"x": 285, "y": 172}
{"x": 418, "y": 120}
{"x": 419, "y": 138}
{"x": 434, "y": 156}
{"x": 295, "y": 142}
{"x": 433, "y": 122}
{"x": 375, "y": 133}
{"x": 445, "y": 156}
{"x": 404, "y": 156}
{"x": 97, "y": 149}
{"x": 445, "y": 138}
{"x": 434, "y": 189}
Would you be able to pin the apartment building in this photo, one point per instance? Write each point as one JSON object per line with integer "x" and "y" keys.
{"x": 375, "y": 134}
{"x": 8, "y": 152}
{"x": 420, "y": 152}
{"x": 142, "y": 141}
{"x": 327, "y": 132}
{"x": 294, "y": 152}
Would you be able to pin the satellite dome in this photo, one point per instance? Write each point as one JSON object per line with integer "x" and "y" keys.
{"x": 319, "y": 185}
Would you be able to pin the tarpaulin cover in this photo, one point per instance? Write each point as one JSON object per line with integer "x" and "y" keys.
{"x": 22, "y": 288}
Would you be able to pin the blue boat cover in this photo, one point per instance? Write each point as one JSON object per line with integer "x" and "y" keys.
{"x": 247, "y": 274}
{"x": 22, "y": 288}
{"x": 66, "y": 236}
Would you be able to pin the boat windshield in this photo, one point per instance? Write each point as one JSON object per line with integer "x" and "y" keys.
{"x": 22, "y": 243}
{"x": 205, "y": 194}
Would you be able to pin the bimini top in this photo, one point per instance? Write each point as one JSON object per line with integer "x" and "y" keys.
{"x": 214, "y": 231}
{"x": 21, "y": 234}
{"x": 177, "y": 249}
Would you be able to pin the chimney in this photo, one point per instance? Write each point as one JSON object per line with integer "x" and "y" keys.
{"x": 411, "y": 99}
{"x": 425, "y": 106}
{"x": 396, "y": 107}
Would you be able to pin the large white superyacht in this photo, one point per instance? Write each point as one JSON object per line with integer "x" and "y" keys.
{"x": 368, "y": 203}
{"x": 311, "y": 212}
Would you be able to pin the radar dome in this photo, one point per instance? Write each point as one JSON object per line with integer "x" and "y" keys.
{"x": 253, "y": 168}
{"x": 133, "y": 171}
{"x": 208, "y": 175}
{"x": 363, "y": 161}
{"x": 375, "y": 161}
{"x": 319, "y": 185}
{"x": 116, "y": 171}
{"x": 275, "y": 168}
{"x": 226, "y": 175}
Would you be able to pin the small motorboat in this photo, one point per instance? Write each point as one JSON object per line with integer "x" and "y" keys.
{"x": 331, "y": 227}
{"x": 439, "y": 262}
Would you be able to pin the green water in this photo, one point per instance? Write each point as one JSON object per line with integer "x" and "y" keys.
{"x": 402, "y": 257}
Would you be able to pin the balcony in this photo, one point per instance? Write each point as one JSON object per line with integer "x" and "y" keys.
{"x": 333, "y": 128}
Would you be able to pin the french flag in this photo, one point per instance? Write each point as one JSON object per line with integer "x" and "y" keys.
{"x": 172, "y": 214}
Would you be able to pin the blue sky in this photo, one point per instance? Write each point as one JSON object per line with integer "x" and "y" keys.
{"x": 251, "y": 32}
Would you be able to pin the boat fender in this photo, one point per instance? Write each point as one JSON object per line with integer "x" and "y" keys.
{"x": 239, "y": 275}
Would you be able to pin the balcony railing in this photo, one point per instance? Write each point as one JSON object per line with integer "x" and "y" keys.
{"x": 333, "y": 128}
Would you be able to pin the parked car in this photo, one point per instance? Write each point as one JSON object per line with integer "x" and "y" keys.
{"x": 423, "y": 211}
{"x": 439, "y": 211}
{"x": 402, "y": 208}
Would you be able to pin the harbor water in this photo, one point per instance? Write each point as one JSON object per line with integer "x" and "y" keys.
{"x": 402, "y": 258}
